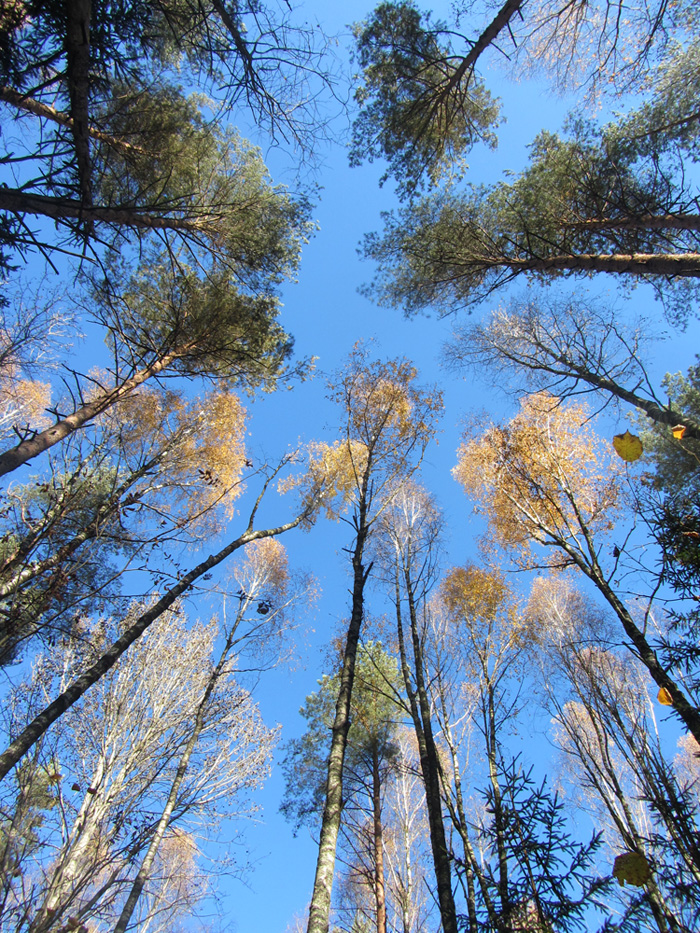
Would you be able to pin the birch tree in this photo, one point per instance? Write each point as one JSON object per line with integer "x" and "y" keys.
{"x": 545, "y": 480}
{"x": 123, "y": 749}
{"x": 409, "y": 548}
{"x": 613, "y": 752}
{"x": 387, "y": 423}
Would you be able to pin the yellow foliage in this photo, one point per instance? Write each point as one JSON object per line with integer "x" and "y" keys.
{"x": 201, "y": 443}
{"x": 541, "y": 477}
{"x": 23, "y": 402}
{"x": 332, "y": 479}
{"x": 472, "y": 591}
{"x": 628, "y": 446}
{"x": 664, "y": 697}
{"x": 386, "y": 411}
{"x": 631, "y": 867}
{"x": 264, "y": 565}
{"x": 479, "y": 600}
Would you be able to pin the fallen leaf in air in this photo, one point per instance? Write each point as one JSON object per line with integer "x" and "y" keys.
{"x": 628, "y": 446}
{"x": 664, "y": 697}
{"x": 631, "y": 867}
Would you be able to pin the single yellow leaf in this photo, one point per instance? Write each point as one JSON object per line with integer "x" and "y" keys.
{"x": 678, "y": 431}
{"x": 628, "y": 446}
{"x": 664, "y": 697}
{"x": 631, "y": 867}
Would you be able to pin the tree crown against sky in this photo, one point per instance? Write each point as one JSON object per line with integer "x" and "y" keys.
{"x": 611, "y": 199}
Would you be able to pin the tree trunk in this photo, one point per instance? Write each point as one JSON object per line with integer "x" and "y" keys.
{"x": 148, "y": 859}
{"x": 689, "y": 714}
{"x": 16, "y": 201}
{"x": 673, "y": 264}
{"x": 430, "y": 765}
{"x": 77, "y": 44}
{"x": 379, "y": 887}
{"x": 502, "y": 858}
{"x": 32, "y": 447}
{"x": 320, "y": 907}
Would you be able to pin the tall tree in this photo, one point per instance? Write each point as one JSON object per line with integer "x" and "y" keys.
{"x": 518, "y": 864}
{"x": 612, "y": 199}
{"x": 119, "y": 142}
{"x": 156, "y": 473}
{"x": 540, "y": 480}
{"x": 409, "y": 547}
{"x": 178, "y": 235}
{"x": 569, "y": 347}
{"x": 369, "y": 759}
{"x": 388, "y": 422}
{"x": 422, "y": 106}
{"x": 29, "y": 735}
{"x": 123, "y": 750}
{"x": 268, "y": 591}
{"x": 613, "y": 753}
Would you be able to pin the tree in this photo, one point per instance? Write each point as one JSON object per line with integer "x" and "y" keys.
{"x": 519, "y": 867}
{"x": 568, "y": 348}
{"x": 369, "y": 759}
{"x": 114, "y": 121}
{"x": 421, "y": 104}
{"x": 409, "y": 545}
{"x": 267, "y": 585}
{"x": 545, "y": 479}
{"x": 137, "y": 626}
{"x": 590, "y": 203}
{"x": 388, "y": 423}
{"x": 612, "y": 199}
{"x": 406, "y": 835}
{"x": 124, "y": 749}
{"x": 613, "y": 753}
{"x": 155, "y": 472}
{"x": 598, "y": 47}
{"x": 179, "y": 237}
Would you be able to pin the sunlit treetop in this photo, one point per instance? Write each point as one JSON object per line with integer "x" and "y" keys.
{"x": 421, "y": 109}
{"x": 387, "y": 422}
{"x": 546, "y": 474}
{"x": 198, "y": 447}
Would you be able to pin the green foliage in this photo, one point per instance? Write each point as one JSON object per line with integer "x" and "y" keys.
{"x": 46, "y": 585}
{"x": 419, "y": 110}
{"x": 593, "y": 200}
{"x": 374, "y": 715}
{"x": 138, "y": 175}
{"x": 676, "y": 460}
{"x": 549, "y": 882}
{"x": 30, "y": 795}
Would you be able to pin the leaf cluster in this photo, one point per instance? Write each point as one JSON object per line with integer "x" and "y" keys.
{"x": 419, "y": 110}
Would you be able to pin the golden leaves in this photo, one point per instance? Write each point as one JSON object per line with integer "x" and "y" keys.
{"x": 265, "y": 566}
{"x": 628, "y": 446}
{"x": 631, "y": 867}
{"x": 541, "y": 476}
{"x": 664, "y": 697}
{"x": 332, "y": 479}
{"x": 23, "y": 402}
{"x": 199, "y": 445}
